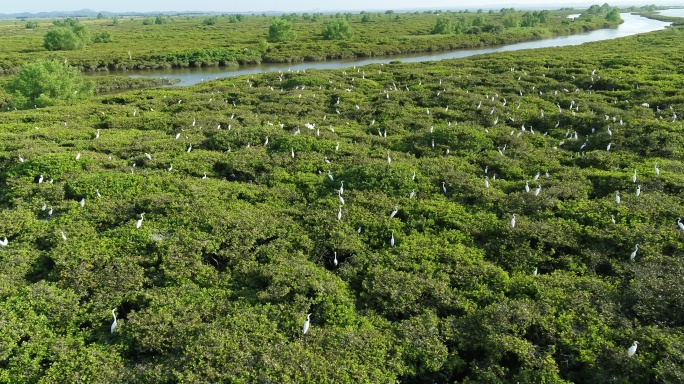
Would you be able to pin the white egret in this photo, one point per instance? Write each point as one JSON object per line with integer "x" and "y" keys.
{"x": 139, "y": 222}
{"x": 389, "y": 159}
{"x": 204, "y": 176}
{"x": 538, "y": 190}
{"x": 632, "y": 350}
{"x": 341, "y": 199}
{"x": 335, "y": 259}
{"x": 189, "y": 149}
{"x": 638, "y": 190}
{"x": 44, "y": 207}
{"x": 608, "y": 147}
{"x": 657, "y": 170}
{"x": 634, "y": 253}
{"x": 537, "y": 176}
{"x": 392, "y": 239}
{"x": 413, "y": 178}
{"x": 3, "y": 242}
{"x": 339, "y": 214}
{"x": 149, "y": 157}
{"x": 396, "y": 209}
{"x": 114, "y": 322}
{"x": 82, "y": 202}
{"x": 305, "y": 329}
{"x": 412, "y": 194}
{"x": 341, "y": 187}
{"x": 330, "y": 176}
{"x": 527, "y": 187}
{"x": 612, "y": 219}
{"x": 50, "y": 212}
{"x": 97, "y": 193}
{"x": 97, "y": 135}
{"x": 171, "y": 168}
{"x": 21, "y": 159}
{"x": 486, "y": 181}
{"x": 513, "y": 221}
{"x": 78, "y": 155}
{"x": 178, "y": 135}
{"x": 444, "y": 187}
{"x": 63, "y": 236}
{"x": 292, "y": 153}
{"x": 40, "y": 179}
{"x": 617, "y": 197}
{"x": 536, "y": 270}
{"x": 634, "y": 177}
{"x": 680, "y": 224}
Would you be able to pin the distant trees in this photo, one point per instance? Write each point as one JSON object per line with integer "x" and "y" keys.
{"x": 31, "y": 24}
{"x": 281, "y": 30}
{"x": 338, "y": 29}
{"x": 47, "y": 82}
{"x": 596, "y": 9}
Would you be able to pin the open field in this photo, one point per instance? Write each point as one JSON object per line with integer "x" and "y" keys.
{"x": 433, "y": 263}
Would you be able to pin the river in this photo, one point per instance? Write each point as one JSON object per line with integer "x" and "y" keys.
{"x": 632, "y": 25}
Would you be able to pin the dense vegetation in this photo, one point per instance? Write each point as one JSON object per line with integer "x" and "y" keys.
{"x": 239, "y": 181}
{"x": 138, "y": 43}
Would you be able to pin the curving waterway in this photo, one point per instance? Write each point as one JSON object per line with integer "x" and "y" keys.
{"x": 633, "y": 24}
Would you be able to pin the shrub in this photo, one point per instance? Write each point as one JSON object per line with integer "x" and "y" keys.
{"x": 45, "y": 83}
{"x": 281, "y": 30}
{"x": 103, "y": 37}
{"x": 337, "y": 30}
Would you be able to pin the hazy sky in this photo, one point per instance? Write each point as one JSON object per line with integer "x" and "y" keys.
{"x": 283, "y": 5}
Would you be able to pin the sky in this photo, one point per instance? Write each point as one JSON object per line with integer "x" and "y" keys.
{"x": 285, "y": 6}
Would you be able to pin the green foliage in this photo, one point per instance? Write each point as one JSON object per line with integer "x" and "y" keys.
{"x": 46, "y": 83}
{"x": 159, "y": 20}
{"x": 211, "y": 20}
{"x": 281, "y": 31}
{"x": 32, "y": 24}
{"x": 103, "y": 37}
{"x": 239, "y": 238}
{"x": 338, "y": 29}
{"x": 613, "y": 16}
{"x": 443, "y": 27}
{"x": 62, "y": 38}
{"x": 373, "y": 37}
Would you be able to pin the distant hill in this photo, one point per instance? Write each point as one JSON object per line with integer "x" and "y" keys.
{"x": 91, "y": 13}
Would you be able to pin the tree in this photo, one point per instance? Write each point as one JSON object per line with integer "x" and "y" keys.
{"x": 211, "y": 20}
{"x": 337, "y": 30}
{"x": 443, "y": 27}
{"x": 281, "y": 30}
{"x": 47, "y": 82}
{"x": 62, "y": 38}
{"x": 102, "y": 37}
{"x": 614, "y": 16}
{"x": 31, "y": 24}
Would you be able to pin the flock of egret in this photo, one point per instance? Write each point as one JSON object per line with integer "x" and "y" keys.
{"x": 574, "y": 108}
